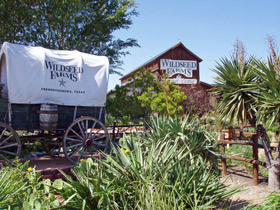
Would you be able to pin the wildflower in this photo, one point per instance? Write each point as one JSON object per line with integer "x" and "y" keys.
{"x": 121, "y": 149}
{"x": 82, "y": 160}
{"x": 126, "y": 151}
{"x": 29, "y": 169}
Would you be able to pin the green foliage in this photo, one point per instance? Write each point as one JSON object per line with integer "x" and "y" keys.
{"x": 272, "y": 202}
{"x": 15, "y": 16}
{"x": 143, "y": 96}
{"x": 21, "y": 188}
{"x": 268, "y": 99}
{"x": 11, "y": 184}
{"x": 124, "y": 103}
{"x": 159, "y": 172}
{"x": 87, "y": 26}
{"x": 235, "y": 84}
{"x": 197, "y": 138}
{"x": 124, "y": 106}
{"x": 164, "y": 98}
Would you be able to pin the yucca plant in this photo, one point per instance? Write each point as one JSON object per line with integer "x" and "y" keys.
{"x": 158, "y": 175}
{"x": 189, "y": 132}
{"x": 235, "y": 84}
{"x": 268, "y": 104}
{"x": 268, "y": 99}
{"x": 9, "y": 187}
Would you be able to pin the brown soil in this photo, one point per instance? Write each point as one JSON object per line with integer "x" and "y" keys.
{"x": 238, "y": 177}
{"x": 47, "y": 163}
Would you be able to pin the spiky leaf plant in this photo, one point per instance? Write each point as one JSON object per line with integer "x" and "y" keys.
{"x": 272, "y": 202}
{"x": 189, "y": 132}
{"x": 235, "y": 84}
{"x": 268, "y": 87}
{"x": 146, "y": 174}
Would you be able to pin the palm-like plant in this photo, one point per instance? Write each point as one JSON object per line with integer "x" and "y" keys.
{"x": 235, "y": 84}
{"x": 268, "y": 103}
{"x": 268, "y": 87}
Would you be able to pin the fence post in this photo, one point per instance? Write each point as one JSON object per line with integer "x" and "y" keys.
{"x": 114, "y": 127}
{"x": 255, "y": 157}
{"x": 224, "y": 163}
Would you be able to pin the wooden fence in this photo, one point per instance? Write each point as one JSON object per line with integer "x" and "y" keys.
{"x": 235, "y": 136}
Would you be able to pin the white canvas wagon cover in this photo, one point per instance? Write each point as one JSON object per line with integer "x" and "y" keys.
{"x": 37, "y": 75}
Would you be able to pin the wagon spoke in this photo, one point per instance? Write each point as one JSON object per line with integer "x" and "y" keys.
{"x": 8, "y": 145}
{"x": 87, "y": 129}
{"x": 86, "y": 154}
{"x": 91, "y": 152}
{"x": 76, "y": 134}
{"x": 5, "y": 158}
{"x": 72, "y": 146}
{"x": 76, "y": 140}
{"x": 82, "y": 131}
{"x": 75, "y": 151}
{"x": 3, "y": 132}
{"x": 96, "y": 132}
{"x": 92, "y": 127}
{"x": 81, "y": 154}
{"x": 98, "y": 144}
{"x": 9, "y": 137}
{"x": 101, "y": 137}
{"x": 7, "y": 152}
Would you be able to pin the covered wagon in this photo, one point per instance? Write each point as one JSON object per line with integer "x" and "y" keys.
{"x": 57, "y": 96}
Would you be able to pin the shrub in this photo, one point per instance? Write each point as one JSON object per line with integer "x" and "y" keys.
{"x": 166, "y": 173}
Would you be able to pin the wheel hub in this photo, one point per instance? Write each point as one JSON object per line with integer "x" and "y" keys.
{"x": 88, "y": 143}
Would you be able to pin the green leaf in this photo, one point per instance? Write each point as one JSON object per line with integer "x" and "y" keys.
{"x": 26, "y": 205}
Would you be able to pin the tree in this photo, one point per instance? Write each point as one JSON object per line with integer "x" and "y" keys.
{"x": 143, "y": 95}
{"x": 234, "y": 84}
{"x": 83, "y": 25}
{"x": 248, "y": 90}
{"x": 163, "y": 97}
{"x": 198, "y": 102}
{"x": 123, "y": 102}
{"x": 15, "y": 17}
{"x": 268, "y": 103}
{"x": 123, "y": 105}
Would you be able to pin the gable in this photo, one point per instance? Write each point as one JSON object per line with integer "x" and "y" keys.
{"x": 177, "y": 52}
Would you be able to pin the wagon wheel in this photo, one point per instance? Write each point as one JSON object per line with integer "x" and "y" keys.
{"x": 85, "y": 137}
{"x": 10, "y": 145}
{"x": 52, "y": 146}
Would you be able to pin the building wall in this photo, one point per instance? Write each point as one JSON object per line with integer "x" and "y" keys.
{"x": 178, "y": 53}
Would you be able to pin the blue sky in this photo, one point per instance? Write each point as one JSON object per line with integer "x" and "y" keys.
{"x": 208, "y": 28}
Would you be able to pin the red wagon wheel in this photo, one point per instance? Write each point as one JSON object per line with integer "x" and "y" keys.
{"x": 10, "y": 145}
{"x": 84, "y": 138}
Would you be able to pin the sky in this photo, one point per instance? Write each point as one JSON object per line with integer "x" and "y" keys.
{"x": 208, "y": 28}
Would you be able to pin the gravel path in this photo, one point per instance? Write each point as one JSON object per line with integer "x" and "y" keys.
{"x": 238, "y": 177}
